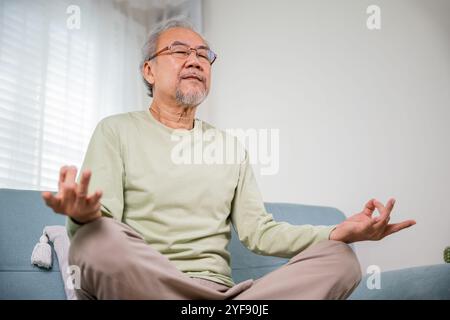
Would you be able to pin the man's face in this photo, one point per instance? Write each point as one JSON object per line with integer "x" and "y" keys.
{"x": 184, "y": 80}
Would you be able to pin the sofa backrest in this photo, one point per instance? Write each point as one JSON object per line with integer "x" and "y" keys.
{"x": 23, "y": 216}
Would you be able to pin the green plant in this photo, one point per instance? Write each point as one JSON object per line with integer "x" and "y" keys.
{"x": 447, "y": 255}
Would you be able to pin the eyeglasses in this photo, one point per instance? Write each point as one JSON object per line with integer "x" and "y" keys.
{"x": 182, "y": 51}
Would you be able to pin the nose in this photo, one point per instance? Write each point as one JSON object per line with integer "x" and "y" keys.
{"x": 192, "y": 61}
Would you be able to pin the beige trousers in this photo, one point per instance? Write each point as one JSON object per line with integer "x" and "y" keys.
{"x": 116, "y": 263}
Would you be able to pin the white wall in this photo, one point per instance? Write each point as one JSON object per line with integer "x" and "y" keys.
{"x": 361, "y": 113}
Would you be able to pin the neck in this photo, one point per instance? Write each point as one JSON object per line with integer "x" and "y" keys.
{"x": 175, "y": 117}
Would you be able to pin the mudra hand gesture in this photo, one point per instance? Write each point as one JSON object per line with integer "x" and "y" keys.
{"x": 363, "y": 226}
{"x": 72, "y": 198}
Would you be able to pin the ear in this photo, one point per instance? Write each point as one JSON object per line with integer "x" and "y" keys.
{"x": 147, "y": 72}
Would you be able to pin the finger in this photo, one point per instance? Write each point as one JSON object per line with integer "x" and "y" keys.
{"x": 390, "y": 204}
{"x": 384, "y": 213}
{"x": 48, "y": 198}
{"x": 369, "y": 207}
{"x": 82, "y": 188}
{"x": 69, "y": 187}
{"x": 71, "y": 175}
{"x": 52, "y": 201}
{"x": 94, "y": 198}
{"x": 62, "y": 176}
{"x": 68, "y": 193}
{"x": 97, "y": 207}
{"x": 396, "y": 227}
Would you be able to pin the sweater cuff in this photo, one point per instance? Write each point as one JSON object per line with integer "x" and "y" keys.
{"x": 72, "y": 227}
{"x": 325, "y": 232}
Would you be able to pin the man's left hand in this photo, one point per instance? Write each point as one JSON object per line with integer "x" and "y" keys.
{"x": 362, "y": 226}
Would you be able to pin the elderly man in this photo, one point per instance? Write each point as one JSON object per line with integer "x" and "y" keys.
{"x": 145, "y": 227}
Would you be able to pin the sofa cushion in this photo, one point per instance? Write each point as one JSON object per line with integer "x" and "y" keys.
{"x": 23, "y": 216}
{"x": 417, "y": 283}
{"x": 31, "y": 285}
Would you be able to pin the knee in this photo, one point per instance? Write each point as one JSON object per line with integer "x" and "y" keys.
{"x": 98, "y": 244}
{"x": 347, "y": 269}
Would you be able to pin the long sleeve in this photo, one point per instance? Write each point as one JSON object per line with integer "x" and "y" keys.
{"x": 103, "y": 158}
{"x": 257, "y": 229}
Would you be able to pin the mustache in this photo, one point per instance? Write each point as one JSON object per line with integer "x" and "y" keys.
{"x": 193, "y": 75}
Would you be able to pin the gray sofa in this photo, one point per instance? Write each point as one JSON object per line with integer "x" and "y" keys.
{"x": 23, "y": 216}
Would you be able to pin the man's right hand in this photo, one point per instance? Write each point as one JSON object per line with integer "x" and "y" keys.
{"x": 72, "y": 198}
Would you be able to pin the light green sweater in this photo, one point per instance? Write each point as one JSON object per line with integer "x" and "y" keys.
{"x": 183, "y": 210}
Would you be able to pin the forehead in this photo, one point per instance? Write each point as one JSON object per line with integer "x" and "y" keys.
{"x": 180, "y": 34}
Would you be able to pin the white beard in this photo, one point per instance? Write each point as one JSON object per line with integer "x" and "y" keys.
{"x": 190, "y": 99}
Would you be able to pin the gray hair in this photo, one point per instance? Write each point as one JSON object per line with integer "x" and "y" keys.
{"x": 149, "y": 48}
